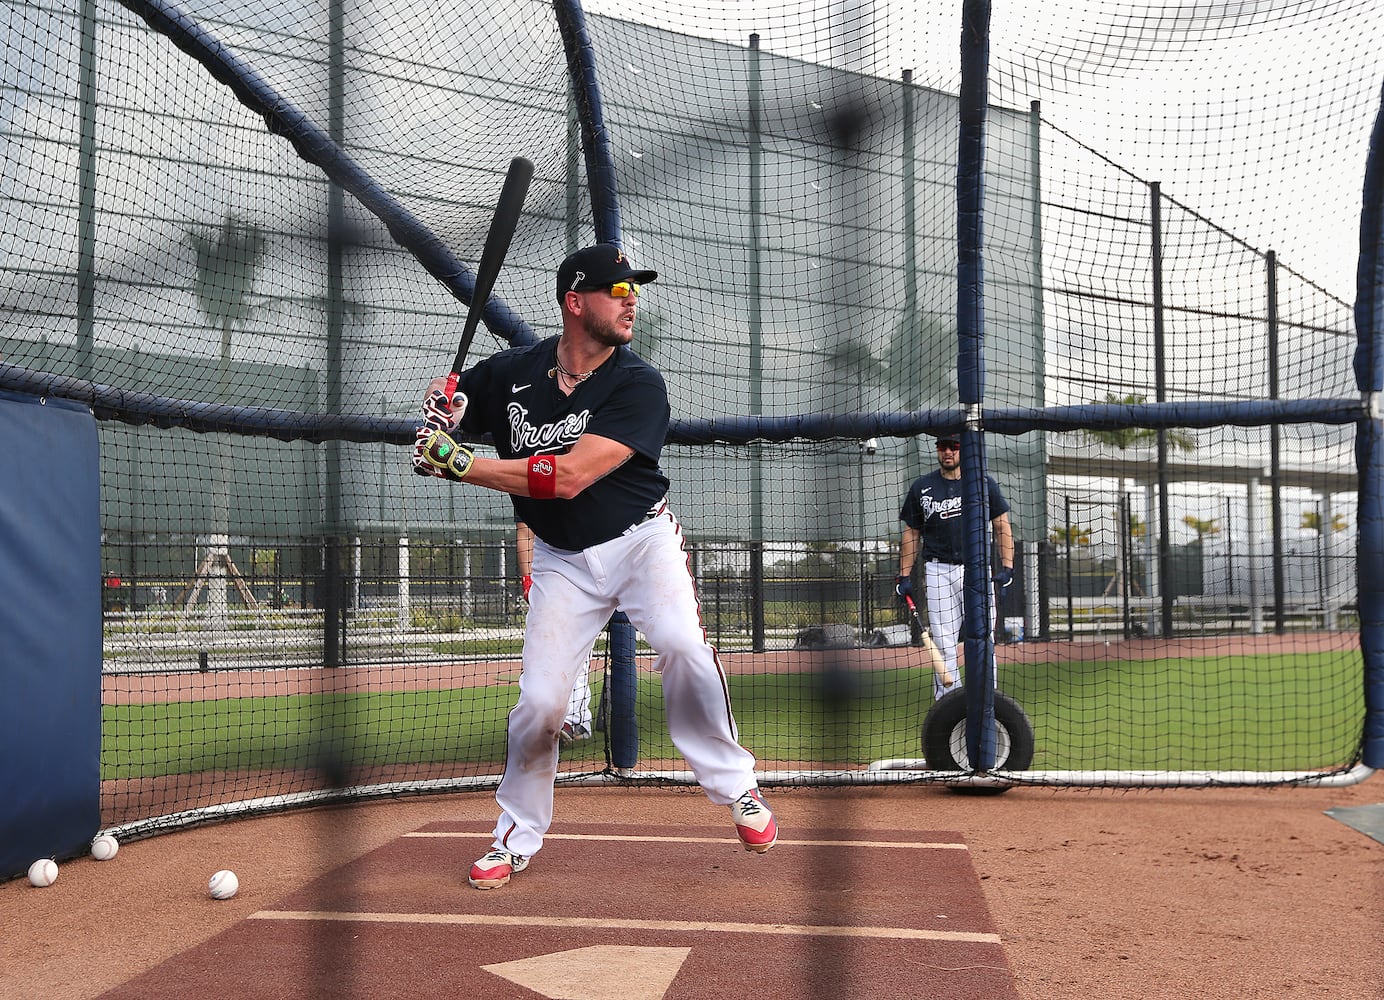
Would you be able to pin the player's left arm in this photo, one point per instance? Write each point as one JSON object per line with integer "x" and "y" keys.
{"x": 1004, "y": 539}
{"x": 1003, "y": 531}
{"x": 523, "y": 544}
{"x": 548, "y": 477}
{"x": 1004, "y": 544}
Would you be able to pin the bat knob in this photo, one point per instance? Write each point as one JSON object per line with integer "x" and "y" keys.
{"x": 458, "y": 398}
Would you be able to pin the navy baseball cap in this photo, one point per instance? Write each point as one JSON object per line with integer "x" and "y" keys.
{"x": 949, "y": 439}
{"x": 599, "y": 266}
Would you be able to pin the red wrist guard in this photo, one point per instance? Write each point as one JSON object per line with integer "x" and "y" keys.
{"x": 526, "y": 582}
{"x": 543, "y": 477}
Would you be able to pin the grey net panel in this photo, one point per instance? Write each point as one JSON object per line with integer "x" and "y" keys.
{"x": 797, "y": 194}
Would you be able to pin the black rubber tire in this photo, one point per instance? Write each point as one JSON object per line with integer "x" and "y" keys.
{"x": 944, "y": 738}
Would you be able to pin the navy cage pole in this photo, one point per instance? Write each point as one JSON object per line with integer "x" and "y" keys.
{"x": 605, "y": 211}
{"x": 970, "y": 372}
{"x": 317, "y": 147}
{"x": 600, "y": 165}
{"x": 1369, "y": 444}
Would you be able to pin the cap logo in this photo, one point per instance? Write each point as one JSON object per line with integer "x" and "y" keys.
{"x": 577, "y": 280}
{"x": 619, "y": 256}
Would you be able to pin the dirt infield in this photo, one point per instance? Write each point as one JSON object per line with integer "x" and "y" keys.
{"x": 1215, "y": 893}
{"x": 354, "y": 931}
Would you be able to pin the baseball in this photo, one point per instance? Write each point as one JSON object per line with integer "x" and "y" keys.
{"x": 223, "y": 885}
{"x": 43, "y": 872}
{"x": 103, "y": 848}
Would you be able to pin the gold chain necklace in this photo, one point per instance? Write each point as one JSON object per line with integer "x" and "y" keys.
{"x": 572, "y": 377}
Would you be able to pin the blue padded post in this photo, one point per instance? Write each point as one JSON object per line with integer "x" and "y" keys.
{"x": 1369, "y": 446}
{"x": 970, "y": 377}
{"x": 50, "y": 630}
{"x": 623, "y": 679}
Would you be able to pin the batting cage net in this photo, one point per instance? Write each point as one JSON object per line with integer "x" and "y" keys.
{"x": 245, "y": 234}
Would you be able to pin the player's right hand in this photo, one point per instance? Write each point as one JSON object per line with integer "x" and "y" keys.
{"x": 526, "y": 582}
{"x": 440, "y": 413}
{"x": 903, "y": 586}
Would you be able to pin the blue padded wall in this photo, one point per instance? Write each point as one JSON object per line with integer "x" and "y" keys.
{"x": 50, "y": 631}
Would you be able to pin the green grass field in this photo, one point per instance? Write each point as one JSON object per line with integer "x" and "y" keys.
{"x": 1280, "y": 712}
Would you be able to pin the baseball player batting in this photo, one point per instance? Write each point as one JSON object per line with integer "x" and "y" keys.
{"x": 578, "y": 423}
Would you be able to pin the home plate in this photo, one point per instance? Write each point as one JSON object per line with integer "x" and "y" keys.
{"x": 601, "y": 972}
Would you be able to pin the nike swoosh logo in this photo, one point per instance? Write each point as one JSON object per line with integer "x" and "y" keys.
{"x": 519, "y": 388}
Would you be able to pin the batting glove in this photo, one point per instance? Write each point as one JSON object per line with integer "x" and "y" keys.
{"x": 436, "y": 454}
{"x": 527, "y": 583}
{"x": 420, "y": 465}
{"x": 441, "y": 414}
{"x": 903, "y": 586}
{"x": 1004, "y": 576}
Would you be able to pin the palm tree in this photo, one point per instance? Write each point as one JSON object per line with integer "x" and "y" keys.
{"x": 1202, "y": 528}
{"x": 905, "y": 371}
{"x": 227, "y": 262}
{"x": 228, "y": 259}
{"x": 1124, "y": 438}
{"x": 1312, "y": 521}
{"x": 1072, "y": 534}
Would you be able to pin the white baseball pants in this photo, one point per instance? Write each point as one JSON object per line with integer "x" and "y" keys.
{"x": 644, "y": 573}
{"x": 945, "y": 583}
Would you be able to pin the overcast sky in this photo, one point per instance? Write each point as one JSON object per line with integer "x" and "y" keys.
{"x": 1254, "y": 113}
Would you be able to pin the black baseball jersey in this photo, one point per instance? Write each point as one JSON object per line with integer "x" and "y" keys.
{"x": 933, "y": 506}
{"x": 513, "y": 398}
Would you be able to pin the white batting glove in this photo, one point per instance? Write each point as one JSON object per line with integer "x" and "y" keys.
{"x": 442, "y": 414}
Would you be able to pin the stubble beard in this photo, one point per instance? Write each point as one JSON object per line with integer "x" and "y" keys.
{"x": 609, "y": 334}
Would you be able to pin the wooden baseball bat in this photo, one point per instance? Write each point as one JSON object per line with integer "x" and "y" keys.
{"x": 939, "y": 665}
{"x": 502, "y": 226}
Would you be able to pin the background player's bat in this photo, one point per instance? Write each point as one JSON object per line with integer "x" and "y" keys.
{"x": 502, "y": 226}
{"x": 939, "y": 665}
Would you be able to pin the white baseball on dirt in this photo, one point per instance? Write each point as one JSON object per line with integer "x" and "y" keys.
{"x": 104, "y": 846}
{"x": 223, "y": 885}
{"x": 43, "y": 872}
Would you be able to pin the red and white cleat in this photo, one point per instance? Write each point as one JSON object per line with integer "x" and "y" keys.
{"x": 494, "y": 870}
{"x": 754, "y": 823}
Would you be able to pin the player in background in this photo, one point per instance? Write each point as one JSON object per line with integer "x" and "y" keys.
{"x": 578, "y": 422}
{"x": 576, "y": 725}
{"x": 933, "y": 530}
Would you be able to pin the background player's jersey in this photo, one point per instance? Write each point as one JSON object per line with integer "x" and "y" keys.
{"x": 933, "y": 506}
{"x": 513, "y": 398}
